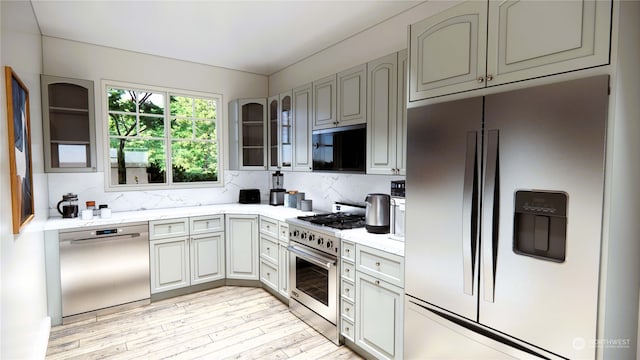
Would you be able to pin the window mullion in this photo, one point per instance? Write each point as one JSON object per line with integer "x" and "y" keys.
{"x": 168, "y": 139}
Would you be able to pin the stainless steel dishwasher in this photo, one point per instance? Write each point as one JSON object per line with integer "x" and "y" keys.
{"x": 102, "y": 267}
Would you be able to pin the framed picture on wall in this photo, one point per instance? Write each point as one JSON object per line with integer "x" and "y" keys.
{"x": 19, "y": 131}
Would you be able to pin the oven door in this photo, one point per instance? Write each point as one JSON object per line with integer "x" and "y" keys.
{"x": 313, "y": 278}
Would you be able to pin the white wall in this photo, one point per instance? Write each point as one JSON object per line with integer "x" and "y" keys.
{"x": 84, "y": 61}
{"x": 25, "y": 325}
{"x": 377, "y": 41}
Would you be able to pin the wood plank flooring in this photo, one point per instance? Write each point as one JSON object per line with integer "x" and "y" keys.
{"x": 223, "y": 323}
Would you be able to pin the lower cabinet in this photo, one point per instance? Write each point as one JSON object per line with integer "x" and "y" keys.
{"x": 283, "y": 270}
{"x": 207, "y": 258}
{"x": 169, "y": 264}
{"x": 274, "y": 255}
{"x": 241, "y": 238}
{"x": 371, "y": 300}
{"x": 178, "y": 260}
{"x": 379, "y": 317}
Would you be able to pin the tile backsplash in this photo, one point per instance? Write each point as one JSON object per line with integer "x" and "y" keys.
{"x": 322, "y": 188}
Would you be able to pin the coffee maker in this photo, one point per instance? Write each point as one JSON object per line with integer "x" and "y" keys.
{"x": 69, "y": 204}
{"x": 276, "y": 196}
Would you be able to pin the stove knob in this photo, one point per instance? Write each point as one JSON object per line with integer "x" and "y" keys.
{"x": 329, "y": 244}
{"x": 303, "y": 236}
{"x": 320, "y": 241}
{"x": 311, "y": 237}
{"x": 296, "y": 233}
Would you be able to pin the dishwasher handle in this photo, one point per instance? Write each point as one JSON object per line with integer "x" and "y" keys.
{"x": 98, "y": 239}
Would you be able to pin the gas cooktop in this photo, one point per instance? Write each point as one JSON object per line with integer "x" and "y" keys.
{"x": 339, "y": 221}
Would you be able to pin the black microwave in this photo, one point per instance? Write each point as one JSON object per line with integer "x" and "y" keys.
{"x": 340, "y": 149}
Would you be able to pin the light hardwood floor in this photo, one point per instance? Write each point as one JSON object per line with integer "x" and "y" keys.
{"x": 222, "y": 323}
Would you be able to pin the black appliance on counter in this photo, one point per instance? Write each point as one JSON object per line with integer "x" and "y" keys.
{"x": 340, "y": 149}
{"x": 249, "y": 196}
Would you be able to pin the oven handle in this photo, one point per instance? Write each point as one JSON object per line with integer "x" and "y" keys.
{"x": 312, "y": 258}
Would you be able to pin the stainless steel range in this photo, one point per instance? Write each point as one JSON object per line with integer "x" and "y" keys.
{"x": 314, "y": 269}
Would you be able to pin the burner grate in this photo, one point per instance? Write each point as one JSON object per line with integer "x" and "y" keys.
{"x": 339, "y": 221}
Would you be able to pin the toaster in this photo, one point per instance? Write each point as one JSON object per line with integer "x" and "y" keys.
{"x": 249, "y": 196}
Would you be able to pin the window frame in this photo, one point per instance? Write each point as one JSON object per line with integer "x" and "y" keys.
{"x": 167, "y": 93}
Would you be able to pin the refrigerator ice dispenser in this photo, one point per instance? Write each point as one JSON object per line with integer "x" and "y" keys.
{"x": 540, "y": 224}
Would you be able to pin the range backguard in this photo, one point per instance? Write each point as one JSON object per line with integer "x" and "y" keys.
{"x": 540, "y": 224}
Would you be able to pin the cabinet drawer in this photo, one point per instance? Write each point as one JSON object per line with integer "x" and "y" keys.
{"x": 206, "y": 224}
{"x": 162, "y": 229}
{"x": 284, "y": 232}
{"x": 268, "y": 249}
{"x": 348, "y": 290}
{"x": 347, "y": 329}
{"x": 269, "y": 274}
{"x": 269, "y": 226}
{"x": 348, "y": 271}
{"x": 347, "y": 309}
{"x": 348, "y": 250}
{"x": 380, "y": 264}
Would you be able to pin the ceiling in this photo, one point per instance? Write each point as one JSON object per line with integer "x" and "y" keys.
{"x": 261, "y": 37}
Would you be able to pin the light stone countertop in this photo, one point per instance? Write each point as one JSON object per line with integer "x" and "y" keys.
{"x": 377, "y": 241}
{"x": 276, "y": 212}
{"x": 280, "y": 213}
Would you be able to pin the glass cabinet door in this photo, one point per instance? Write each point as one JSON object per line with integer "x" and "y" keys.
{"x": 253, "y": 134}
{"x": 273, "y": 134}
{"x": 68, "y": 124}
{"x": 286, "y": 132}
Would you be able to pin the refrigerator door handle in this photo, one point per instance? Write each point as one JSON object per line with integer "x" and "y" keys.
{"x": 469, "y": 237}
{"x": 490, "y": 216}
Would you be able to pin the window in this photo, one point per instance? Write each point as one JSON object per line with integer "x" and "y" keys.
{"x": 155, "y": 145}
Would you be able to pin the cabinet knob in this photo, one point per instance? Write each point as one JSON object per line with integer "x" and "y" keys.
{"x": 346, "y": 270}
{"x": 347, "y": 250}
{"x": 489, "y": 77}
{"x": 377, "y": 282}
{"x": 378, "y": 263}
{"x": 480, "y": 80}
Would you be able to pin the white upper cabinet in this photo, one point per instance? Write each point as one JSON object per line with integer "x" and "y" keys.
{"x": 68, "y": 124}
{"x": 478, "y": 44}
{"x": 387, "y": 114}
{"x": 248, "y": 134}
{"x": 448, "y": 51}
{"x": 273, "y": 120}
{"x": 381, "y": 127}
{"x": 324, "y": 103}
{"x": 280, "y": 131}
{"x": 302, "y": 114}
{"x": 536, "y": 38}
{"x": 285, "y": 131}
{"x": 352, "y": 96}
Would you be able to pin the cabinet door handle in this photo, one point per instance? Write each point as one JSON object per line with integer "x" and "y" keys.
{"x": 480, "y": 80}
{"x": 489, "y": 77}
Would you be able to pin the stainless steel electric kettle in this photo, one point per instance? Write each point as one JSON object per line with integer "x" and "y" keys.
{"x": 377, "y": 212}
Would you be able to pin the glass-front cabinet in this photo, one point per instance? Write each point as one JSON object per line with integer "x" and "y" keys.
{"x": 286, "y": 131}
{"x": 280, "y": 132}
{"x": 274, "y": 110}
{"x": 248, "y": 134}
{"x": 68, "y": 124}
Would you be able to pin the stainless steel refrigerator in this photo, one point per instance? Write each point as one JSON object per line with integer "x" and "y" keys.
{"x": 504, "y": 204}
